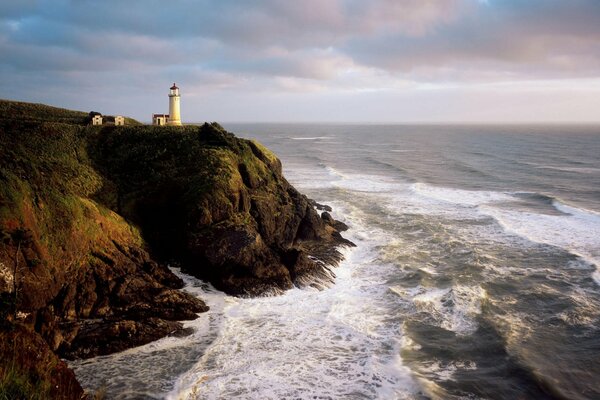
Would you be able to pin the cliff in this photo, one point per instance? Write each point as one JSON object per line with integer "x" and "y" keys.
{"x": 216, "y": 204}
{"x": 90, "y": 217}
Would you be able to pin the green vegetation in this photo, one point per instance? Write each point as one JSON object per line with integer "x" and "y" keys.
{"x": 131, "y": 121}
{"x": 166, "y": 178}
{"x": 45, "y": 181}
{"x": 40, "y": 113}
{"x": 30, "y": 371}
{"x": 17, "y": 383}
{"x": 33, "y": 112}
{"x": 72, "y": 185}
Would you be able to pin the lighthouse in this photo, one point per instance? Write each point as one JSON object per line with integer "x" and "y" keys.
{"x": 174, "y": 110}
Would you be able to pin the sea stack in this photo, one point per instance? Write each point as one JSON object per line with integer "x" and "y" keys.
{"x": 174, "y": 110}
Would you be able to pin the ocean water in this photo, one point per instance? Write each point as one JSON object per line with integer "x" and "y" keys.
{"x": 476, "y": 276}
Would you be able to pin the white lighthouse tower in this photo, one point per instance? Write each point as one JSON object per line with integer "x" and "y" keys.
{"x": 174, "y": 110}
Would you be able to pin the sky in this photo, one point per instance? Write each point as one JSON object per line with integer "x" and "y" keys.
{"x": 351, "y": 61}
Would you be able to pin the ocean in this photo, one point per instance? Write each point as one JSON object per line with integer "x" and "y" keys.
{"x": 476, "y": 276}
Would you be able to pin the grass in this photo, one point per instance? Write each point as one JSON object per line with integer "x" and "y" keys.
{"x": 35, "y": 112}
{"x": 44, "y": 177}
{"x": 47, "y": 187}
{"x": 17, "y": 384}
{"x": 29, "y": 370}
{"x": 41, "y": 112}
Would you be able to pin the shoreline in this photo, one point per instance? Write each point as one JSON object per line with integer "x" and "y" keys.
{"x": 198, "y": 334}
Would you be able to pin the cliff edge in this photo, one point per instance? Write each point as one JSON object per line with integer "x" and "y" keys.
{"x": 91, "y": 216}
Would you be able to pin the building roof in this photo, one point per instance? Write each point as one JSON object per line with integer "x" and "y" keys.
{"x": 174, "y": 86}
{"x": 160, "y": 115}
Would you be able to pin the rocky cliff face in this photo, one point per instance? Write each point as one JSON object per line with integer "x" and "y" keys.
{"x": 90, "y": 216}
{"x": 217, "y": 205}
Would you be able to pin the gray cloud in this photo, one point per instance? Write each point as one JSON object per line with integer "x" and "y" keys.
{"x": 524, "y": 39}
{"x": 244, "y": 36}
{"x": 274, "y": 46}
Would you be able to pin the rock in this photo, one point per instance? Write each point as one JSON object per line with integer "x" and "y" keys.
{"x": 327, "y": 218}
{"x": 337, "y": 225}
{"x": 121, "y": 286}
{"x": 319, "y": 206}
{"x": 36, "y": 371}
{"x": 100, "y": 337}
{"x": 340, "y": 226}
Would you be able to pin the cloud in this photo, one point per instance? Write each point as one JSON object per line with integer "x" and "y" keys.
{"x": 279, "y": 46}
{"x": 282, "y": 37}
{"x": 512, "y": 40}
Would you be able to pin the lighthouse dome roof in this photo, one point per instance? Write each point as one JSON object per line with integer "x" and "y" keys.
{"x": 174, "y": 87}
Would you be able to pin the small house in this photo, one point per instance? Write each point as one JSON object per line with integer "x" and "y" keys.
{"x": 97, "y": 119}
{"x": 160, "y": 119}
{"x": 119, "y": 120}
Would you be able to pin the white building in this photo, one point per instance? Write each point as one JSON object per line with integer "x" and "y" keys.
{"x": 119, "y": 120}
{"x": 160, "y": 119}
{"x": 97, "y": 119}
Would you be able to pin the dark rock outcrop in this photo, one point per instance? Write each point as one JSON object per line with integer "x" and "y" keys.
{"x": 121, "y": 290}
{"x": 339, "y": 226}
{"x": 319, "y": 206}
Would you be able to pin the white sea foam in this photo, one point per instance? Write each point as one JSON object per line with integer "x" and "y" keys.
{"x": 404, "y": 198}
{"x": 367, "y": 183}
{"x": 581, "y": 170}
{"x": 454, "y": 309}
{"x": 445, "y": 371}
{"x": 334, "y": 343}
{"x": 307, "y": 179}
{"x": 596, "y": 275}
{"x": 313, "y": 138}
{"x": 579, "y": 212}
{"x": 577, "y": 232}
{"x": 459, "y": 196}
{"x": 360, "y": 182}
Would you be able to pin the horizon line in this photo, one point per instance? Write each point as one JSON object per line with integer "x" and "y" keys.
{"x": 443, "y": 123}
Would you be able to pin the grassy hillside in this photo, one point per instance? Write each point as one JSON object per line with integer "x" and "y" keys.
{"x": 33, "y": 112}
{"x": 40, "y": 112}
